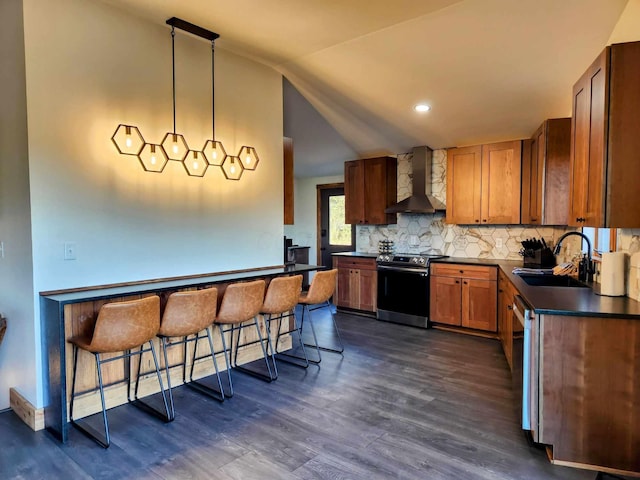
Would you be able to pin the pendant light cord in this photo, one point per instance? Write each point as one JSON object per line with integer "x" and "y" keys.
{"x": 213, "y": 94}
{"x": 173, "y": 72}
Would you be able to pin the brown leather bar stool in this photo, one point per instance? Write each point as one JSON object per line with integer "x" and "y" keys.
{"x": 242, "y": 302}
{"x": 279, "y": 303}
{"x": 120, "y": 327}
{"x": 190, "y": 313}
{"x": 320, "y": 291}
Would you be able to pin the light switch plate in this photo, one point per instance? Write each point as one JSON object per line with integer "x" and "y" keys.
{"x": 498, "y": 242}
{"x": 70, "y": 250}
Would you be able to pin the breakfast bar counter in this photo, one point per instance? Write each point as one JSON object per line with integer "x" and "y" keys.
{"x": 65, "y": 312}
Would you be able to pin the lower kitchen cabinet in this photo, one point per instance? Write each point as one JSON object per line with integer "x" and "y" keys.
{"x": 464, "y": 296}
{"x": 357, "y": 283}
{"x": 586, "y": 395}
{"x": 506, "y": 292}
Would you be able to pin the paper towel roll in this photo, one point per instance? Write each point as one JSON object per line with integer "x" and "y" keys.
{"x": 612, "y": 274}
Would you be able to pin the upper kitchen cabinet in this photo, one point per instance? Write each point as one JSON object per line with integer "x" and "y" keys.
{"x": 483, "y": 183}
{"x": 545, "y": 174}
{"x": 604, "y": 162}
{"x": 370, "y": 186}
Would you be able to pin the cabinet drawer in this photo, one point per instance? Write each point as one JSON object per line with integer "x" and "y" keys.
{"x": 351, "y": 262}
{"x": 464, "y": 271}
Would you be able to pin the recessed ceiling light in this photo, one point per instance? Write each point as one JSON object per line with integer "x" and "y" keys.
{"x": 422, "y": 107}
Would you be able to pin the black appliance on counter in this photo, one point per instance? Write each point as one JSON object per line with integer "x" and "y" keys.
{"x": 403, "y": 288}
{"x": 297, "y": 254}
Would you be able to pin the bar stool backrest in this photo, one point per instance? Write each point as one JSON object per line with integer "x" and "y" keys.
{"x": 241, "y": 302}
{"x": 282, "y": 294}
{"x": 189, "y": 312}
{"x": 125, "y": 325}
{"x": 322, "y": 287}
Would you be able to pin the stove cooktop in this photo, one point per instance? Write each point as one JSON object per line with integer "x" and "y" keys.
{"x": 411, "y": 259}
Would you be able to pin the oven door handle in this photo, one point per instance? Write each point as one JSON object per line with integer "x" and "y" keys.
{"x": 420, "y": 271}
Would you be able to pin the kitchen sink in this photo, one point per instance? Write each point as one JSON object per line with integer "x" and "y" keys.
{"x": 552, "y": 281}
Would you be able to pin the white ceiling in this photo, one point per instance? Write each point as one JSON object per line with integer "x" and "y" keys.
{"x": 491, "y": 69}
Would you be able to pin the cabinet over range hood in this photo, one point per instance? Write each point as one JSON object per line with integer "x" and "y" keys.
{"x": 421, "y": 200}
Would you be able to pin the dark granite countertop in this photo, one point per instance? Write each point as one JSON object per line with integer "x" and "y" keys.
{"x": 582, "y": 302}
{"x": 356, "y": 254}
{"x": 153, "y": 286}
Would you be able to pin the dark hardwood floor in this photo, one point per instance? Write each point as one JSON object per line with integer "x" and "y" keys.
{"x": 401, "y": 403}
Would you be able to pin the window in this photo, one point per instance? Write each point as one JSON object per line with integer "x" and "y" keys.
{"x": 339, "y": 232}
{"x": 602, "y": 239}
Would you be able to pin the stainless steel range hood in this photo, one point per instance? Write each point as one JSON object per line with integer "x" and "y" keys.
{"x": 421, "y": 200}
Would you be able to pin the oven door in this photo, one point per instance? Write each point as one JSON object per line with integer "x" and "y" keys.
{"x": 403, "y": 295}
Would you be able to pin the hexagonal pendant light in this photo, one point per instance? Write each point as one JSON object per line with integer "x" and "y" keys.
{"x": 153, "y": 158}
{"x": 128, "y": 140}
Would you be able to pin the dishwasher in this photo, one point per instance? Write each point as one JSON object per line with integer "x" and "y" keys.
{"x": 524, "y": 373}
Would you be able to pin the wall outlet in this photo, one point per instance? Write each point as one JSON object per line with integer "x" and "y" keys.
{"x": 498, "y": 243}
{"x": 70, "y": 250}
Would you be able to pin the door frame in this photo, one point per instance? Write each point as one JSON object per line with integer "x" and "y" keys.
{"x": 319, "y": 189}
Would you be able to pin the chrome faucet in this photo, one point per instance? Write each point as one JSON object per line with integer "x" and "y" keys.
{"x": 584, "y": 271}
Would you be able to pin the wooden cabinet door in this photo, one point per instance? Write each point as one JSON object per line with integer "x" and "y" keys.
{"x": 375, "y": 200}
{"x": 464, "y": 174}
{"x": 479, "y": 304}
{"x": 588, "y": 136}
{"x": 354, "y": 192}
{"x": 343, "y": 298}
{"x": 536, "y": 177}
{"x": 501, "y": 178}
{"x": 368, "y": 285}
{"x": 445, "y": 300}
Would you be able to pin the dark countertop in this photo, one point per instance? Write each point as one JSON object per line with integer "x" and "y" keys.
{"x": 151, "y": 286}
{"x": 581, "y": 302}
{"x": 356, "y": 254}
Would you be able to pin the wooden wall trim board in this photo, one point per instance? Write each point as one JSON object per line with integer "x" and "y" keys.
{"x": 289, "y": 197}
{"x": 32, "y": 416}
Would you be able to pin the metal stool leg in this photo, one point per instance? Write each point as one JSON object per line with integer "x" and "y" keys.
{"x": 212, "y": 392}
{"x": 166, "y": 367}
{"x": 269, "y": 377}
{"x": 90, "y": 432}
{"x": 335, "y": 326}
{"x": 313, "y": 331}
{"x": 137, "y": 402}
{"x": 227, "y": 359}
{"x": 289, "y": 357}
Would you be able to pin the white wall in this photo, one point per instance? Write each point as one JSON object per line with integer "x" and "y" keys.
{"x": 89, "y": 67}
{"x": 304, "y": 231}
{"x": 17, "y": 352}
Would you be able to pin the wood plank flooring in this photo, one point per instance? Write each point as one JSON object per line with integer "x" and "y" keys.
{"x": 401, "y": 403}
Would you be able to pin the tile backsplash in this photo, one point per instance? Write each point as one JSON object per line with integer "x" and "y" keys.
{"x": 429, "y": 232}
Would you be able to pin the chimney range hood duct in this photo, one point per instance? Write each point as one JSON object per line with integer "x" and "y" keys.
{"x": 421, "y": 200}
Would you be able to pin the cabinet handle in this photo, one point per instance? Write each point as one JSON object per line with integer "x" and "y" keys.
{"x": 465, "y": 283}
{"x": 500, "y": 290}
{"x": 461, "y": 271}
{"x": 484, "y": 219}
{"x": 457, "y": 281}
{"x": 510, "y": 307}
{"x": 477, "y": 220}
{"x": 534, "y": 219}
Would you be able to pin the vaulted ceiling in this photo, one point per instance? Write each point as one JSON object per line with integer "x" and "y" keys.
{"x": 491, "y": 70}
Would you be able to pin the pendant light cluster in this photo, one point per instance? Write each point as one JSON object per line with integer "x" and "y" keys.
{"x": 154, "y": 157}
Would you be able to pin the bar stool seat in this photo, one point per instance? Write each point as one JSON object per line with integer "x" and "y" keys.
{"x": 120, "y": 327}
{"x": 190, "y": 313}
{"x": 279, "y": 303}
{"x": 241, "y": 303}
{"x": 320, "y": 291}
